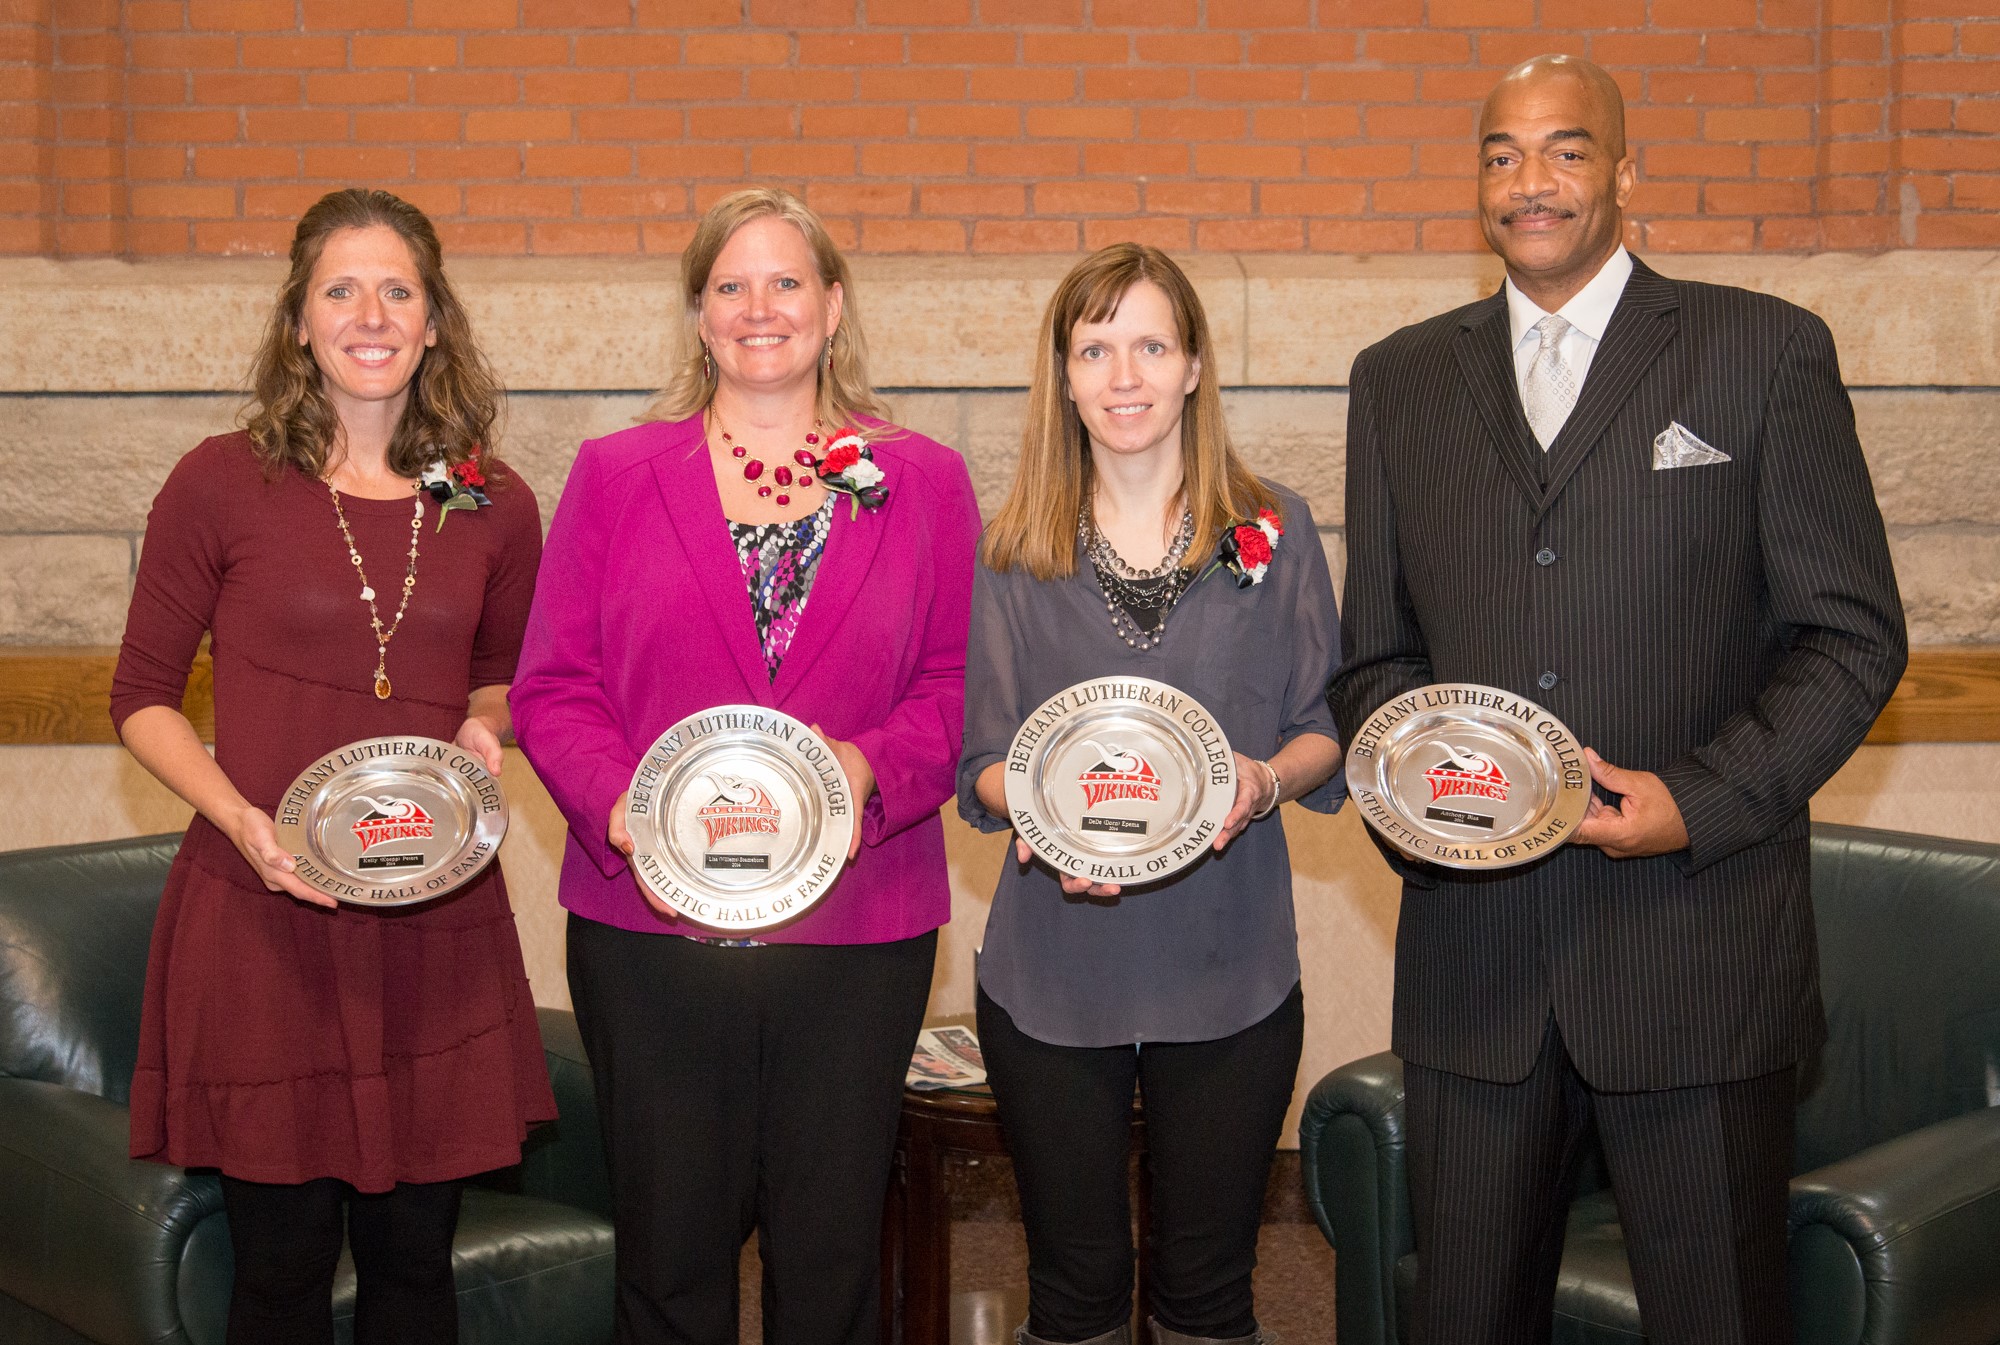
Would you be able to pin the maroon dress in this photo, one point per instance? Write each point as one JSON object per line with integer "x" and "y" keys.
{"x": 282, "y": 1041}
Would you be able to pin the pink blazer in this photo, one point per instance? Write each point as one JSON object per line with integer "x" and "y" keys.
{"x": 642, "y": 617}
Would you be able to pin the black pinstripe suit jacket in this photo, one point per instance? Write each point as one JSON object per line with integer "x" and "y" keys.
{"x": 1734, "y": 627}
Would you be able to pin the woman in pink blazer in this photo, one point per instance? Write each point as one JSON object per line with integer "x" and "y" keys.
{"x": 695, "y": 561}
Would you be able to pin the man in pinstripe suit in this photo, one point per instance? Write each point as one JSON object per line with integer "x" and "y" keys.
{"x": 1641, "y": 502}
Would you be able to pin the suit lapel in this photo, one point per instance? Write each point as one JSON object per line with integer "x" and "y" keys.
{"x": 1484, "y": 355}
{"x": 1646, "y": 319}
{"x": 693, "y": 510}
{"x": 851, "y": 543}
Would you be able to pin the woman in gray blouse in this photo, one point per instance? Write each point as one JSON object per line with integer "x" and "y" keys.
{"x": 1102, "y": 562}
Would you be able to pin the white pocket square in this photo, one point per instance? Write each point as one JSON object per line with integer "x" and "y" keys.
{"x": 1678, "y": 446}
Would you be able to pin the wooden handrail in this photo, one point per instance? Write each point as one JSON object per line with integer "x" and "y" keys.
{"x": 1949, "y": 694}
{"x": 62, "y": 695}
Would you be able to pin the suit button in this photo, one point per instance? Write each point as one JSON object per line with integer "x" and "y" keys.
{"x": 1545, "y": 557}
{"x": 1547, "y": 681}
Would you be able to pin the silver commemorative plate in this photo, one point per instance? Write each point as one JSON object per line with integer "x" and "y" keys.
{"x": 392, "y": 821}
{"x": 740, "y": 818}
{"x": 1120, "y": 780}
{"x": 1468, "y": 776}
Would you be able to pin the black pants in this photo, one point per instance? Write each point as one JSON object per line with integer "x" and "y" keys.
{"x": 1700, "y": 1175}
{"x": 741, "y": 1088}
{"x": 287, "y": 1243}
{"x": 1213, "y": 1113}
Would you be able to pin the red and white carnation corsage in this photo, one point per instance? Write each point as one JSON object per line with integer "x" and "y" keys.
{"x": 1246, "y": 548}
{"x": 849, "y": 468}
{"x": 459, "y": 486}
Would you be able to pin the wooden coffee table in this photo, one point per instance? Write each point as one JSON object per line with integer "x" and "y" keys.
{"x": 916, "y": 1224}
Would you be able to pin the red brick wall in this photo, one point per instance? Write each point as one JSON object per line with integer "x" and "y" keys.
{"x": 28, "y": 198}
{"x": 166, "y": 127}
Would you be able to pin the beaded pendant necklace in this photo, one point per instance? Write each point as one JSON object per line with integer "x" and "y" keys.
{"x": 382, "y": 637}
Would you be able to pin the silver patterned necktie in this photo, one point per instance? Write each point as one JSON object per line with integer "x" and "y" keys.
{"x": 1549, "y": 391}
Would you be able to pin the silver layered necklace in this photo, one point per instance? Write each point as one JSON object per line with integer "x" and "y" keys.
{"x": 1126, "y": 589}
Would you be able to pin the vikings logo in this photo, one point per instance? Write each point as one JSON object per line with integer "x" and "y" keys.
{"x": 1465, "y": 772}
{"x": 738, "y": 808}
{"x": 1118, "y": 775}
{"x": 391, "y": 819}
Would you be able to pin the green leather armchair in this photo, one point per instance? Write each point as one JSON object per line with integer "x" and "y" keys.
{"x": 98, "y": 1248}
{"x": 1895, "y": 1209}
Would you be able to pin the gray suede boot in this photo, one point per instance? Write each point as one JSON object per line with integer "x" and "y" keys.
{"x": 1121, "y": 1336}
{"x": 1162, "y": 1336}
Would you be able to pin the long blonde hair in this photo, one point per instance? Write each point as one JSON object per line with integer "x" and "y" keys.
{"x": 844, "y": 390}
{"x": 1036, "y": 528}
{"x": 454, "y": 397}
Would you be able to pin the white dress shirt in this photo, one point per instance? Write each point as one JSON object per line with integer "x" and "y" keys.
{"x": 1588, "y": 313}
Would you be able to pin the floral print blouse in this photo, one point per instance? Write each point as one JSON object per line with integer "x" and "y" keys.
{"x": 779, "y": 561}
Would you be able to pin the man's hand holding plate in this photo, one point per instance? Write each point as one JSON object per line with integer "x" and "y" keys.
{"x": 1646, "y": 821}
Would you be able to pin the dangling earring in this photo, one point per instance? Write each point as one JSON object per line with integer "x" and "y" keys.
{"x": 707, "y": 364}
{"x": 829, "y": 356}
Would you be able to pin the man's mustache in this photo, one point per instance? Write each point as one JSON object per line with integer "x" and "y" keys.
{"x": 1534, "y": 210}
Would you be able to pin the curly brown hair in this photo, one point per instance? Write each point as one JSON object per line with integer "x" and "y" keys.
{"x": 454, "y": 397}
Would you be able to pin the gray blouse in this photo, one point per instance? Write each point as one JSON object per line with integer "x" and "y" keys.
{"x": 1211, "y": 950}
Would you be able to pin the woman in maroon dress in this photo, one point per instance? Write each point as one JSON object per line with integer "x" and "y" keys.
{"x": 338, "y": 1065}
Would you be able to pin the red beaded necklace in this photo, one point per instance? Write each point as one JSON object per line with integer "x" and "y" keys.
{"x": 783, "y": 476}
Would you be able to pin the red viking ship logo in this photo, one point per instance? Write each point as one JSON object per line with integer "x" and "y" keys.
{"x": 1463, "y": 772}
{"x": 391, "y": 819}
{"x": 1118, "y": 775}
{"x": 739, "y": 808}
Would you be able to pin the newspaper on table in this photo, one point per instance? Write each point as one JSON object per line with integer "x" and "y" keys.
{"x": 946, "y": 1057}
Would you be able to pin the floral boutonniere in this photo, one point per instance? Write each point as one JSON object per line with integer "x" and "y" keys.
{"x": 459, "y": 486}
{"x": 849, "y": 468}
{"x": 1246, "y": 548}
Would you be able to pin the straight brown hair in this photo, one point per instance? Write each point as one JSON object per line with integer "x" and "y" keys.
{"x": 454, "y": 397}
{"x": 1036, "y": 528}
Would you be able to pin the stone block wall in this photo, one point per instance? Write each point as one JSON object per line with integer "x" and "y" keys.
{"x": 102, "y": 387}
